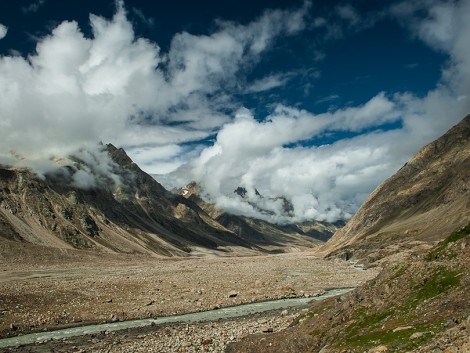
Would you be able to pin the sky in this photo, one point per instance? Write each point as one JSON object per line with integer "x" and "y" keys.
{"x": 314, "y": 102}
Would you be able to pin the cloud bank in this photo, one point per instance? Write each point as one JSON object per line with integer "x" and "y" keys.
{"x": 75, "y": 91}
{"x": 330, "y": 181}
{"x": 164, "y": 107}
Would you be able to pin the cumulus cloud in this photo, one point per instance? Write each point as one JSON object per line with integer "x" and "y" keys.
{"x": 76, "y": 90}
{"x": 330, "y": 181}
{"x": 3, "y": 31}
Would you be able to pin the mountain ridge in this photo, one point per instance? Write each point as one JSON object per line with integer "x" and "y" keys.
{"x": 128, "y": 213}
{"x": 429, "y": 196}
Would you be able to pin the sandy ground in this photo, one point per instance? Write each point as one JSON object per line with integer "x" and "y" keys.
{"x": 33, "y": 299}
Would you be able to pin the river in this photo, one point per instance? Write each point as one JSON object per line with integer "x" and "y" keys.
{"x": 204, "y": 316}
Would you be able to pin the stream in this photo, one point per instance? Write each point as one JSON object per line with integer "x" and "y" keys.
{"x": 204, "y": 316}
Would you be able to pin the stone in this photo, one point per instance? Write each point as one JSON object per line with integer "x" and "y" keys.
{"x": 450, "y": 349}
{"x": 416, "y": 335}
{"x": 232, "y": 294}
{"x": 378, "y": 349}
{"x": 207, "y": 341}
{"x": 266, "y": 329}
{"x": 402, "y": 328}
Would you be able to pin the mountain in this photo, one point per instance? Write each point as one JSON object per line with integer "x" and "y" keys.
{"x": 131, "y": 215}
{"x": 416, "y": 226}
{"x": 426, "y": 199}
{"x": 262, "y": 233}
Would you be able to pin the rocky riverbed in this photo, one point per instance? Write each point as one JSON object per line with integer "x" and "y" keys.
{"x": 54, "y": 296}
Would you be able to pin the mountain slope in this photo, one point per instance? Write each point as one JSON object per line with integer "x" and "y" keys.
{"x": 135, "y": 216}
{"x": 418, "y": 306}
{"x": 428, "y": 197}
{"x": 129, "y": 212}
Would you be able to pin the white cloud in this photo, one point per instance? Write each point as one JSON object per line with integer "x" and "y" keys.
{"x": 330, "y": 181}
{"x": 113, "y": 87}
{"x": 269, "y": 82}
{"x": 159, "y": 159}
{"x": 335, "y": 178}
{"x": 3, "y": 31}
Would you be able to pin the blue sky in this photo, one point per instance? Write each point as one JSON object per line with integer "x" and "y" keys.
{"x": 316, "y": 101}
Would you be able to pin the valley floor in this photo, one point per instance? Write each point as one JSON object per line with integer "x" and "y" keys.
{"x": 108, "y": 289}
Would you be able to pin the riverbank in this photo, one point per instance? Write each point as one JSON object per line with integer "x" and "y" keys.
{"x": 33, "y": 300}
{"x": 168, "y": 338}
{"x": 239, "y": 311}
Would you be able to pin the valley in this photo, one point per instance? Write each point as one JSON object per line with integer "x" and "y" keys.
{"x": 115, "y": 288}
{"x": 132, "y": 250}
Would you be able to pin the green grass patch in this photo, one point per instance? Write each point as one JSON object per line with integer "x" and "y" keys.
{"x": 438, "y": 283}
{"x": 366, "y": 321}
{"x": 371, "y": 329}
{"x": 398, "y": 341}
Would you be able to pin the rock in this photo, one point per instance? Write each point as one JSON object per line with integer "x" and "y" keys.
{"x": 232, "y": 294}
{"x": 266, "y": 329}
{"x": 114, "y": 318}
{"x": 378, "y": 349}
{"x": 13, "y": 327}
{"x": 416, "y": 335}
{"x": 150, "y": 303}
{"x": 206, "y": 341}
{"x": 284, "y": 312}
{"x": 402, "y": 328}
{"x": 450, "y": 349}
{"x": 110, "y": 300}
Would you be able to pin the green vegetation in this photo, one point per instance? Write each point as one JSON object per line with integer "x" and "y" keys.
{"x": 439, "y": 252}
{"x": 369, "y": 329}
{"x": 396, "y": 341}
{"x": 439, "y": 282}
{"x": 399, "y": 271}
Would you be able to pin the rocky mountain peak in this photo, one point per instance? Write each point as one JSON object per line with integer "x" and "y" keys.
{"x": 189, "y": 190}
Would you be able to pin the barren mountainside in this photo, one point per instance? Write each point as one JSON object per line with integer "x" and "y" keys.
{"x": 426, "y": 199}
{"x": 133, "y": 216}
